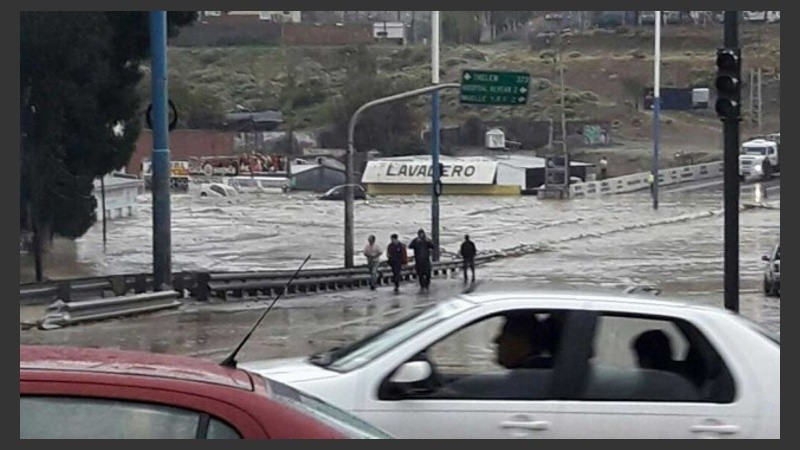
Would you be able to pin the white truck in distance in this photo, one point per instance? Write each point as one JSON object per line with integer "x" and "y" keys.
{"x": 759, "y": 159}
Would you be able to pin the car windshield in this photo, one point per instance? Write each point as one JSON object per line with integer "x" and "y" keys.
{"x": 755, "y": 150}
{"x": 330, "y": 415}
{"x": 376, "y": 344}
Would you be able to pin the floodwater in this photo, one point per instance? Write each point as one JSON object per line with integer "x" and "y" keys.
{"x": 590, "y": 243}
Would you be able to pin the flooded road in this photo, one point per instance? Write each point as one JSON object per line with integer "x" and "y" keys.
{"x": 278, "y": 231}
{"x": 589, "y": 247}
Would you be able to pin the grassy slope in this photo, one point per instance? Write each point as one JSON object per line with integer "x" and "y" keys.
{"x": 595, "y": 66}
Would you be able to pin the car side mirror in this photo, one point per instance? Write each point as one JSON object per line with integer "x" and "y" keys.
{"x": 765, "y": 258}
{"x": 412, "y": 372}
{"x": 403, "y": 384}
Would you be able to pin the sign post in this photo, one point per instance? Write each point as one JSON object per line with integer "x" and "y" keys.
{"x": 480, "y": 87}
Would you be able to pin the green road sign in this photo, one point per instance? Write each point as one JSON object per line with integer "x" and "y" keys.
{"x": 495, "y": 88}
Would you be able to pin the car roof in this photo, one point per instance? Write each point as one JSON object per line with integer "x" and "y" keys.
{"x": 122, "y": 362}
{"x": 584, "y": 296}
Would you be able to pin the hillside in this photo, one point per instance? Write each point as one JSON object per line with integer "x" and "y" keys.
{"x": 603, "y": 70}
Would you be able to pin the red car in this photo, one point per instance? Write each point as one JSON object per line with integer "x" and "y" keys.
{"x": 78, "y": 393}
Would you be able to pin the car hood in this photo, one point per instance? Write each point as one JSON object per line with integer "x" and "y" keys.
{"x": 292, "y": 370}
{"x": 752, "y": 157}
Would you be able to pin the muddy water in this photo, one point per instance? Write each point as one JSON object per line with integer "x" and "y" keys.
{"x": 685, "y": 259}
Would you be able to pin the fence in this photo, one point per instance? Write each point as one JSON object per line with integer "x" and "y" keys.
{"x": 637, "y": 182}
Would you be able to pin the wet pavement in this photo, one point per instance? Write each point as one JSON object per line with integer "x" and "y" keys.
{"x": 588, "y": 247}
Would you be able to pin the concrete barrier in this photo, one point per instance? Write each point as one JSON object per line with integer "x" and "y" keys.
{"x": 638, "y": 182}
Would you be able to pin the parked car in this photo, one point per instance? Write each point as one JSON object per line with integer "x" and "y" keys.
{"x": 72, "y": 393}
{"x": 608, "y": 366}
{"x": 772, "y": 274}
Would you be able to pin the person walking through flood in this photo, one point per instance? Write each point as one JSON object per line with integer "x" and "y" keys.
{"x": 651, "y": 180}
{"x": 398, "y": 258}
{"x": 373, "y": 254}
{"x": 603, "y": 168}
{"x": 422, "y": 247}
{"x": 467, "y": 253}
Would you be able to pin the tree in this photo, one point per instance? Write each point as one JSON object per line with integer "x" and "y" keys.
{"x": 461, "y": 27}
{"x": 80, "y": 111}
{"x": 390, "y": 128}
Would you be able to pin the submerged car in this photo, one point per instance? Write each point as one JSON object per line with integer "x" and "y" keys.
{"x": 75, "y": 393}
{"x": 596, "y": 366}
{"x": 337, "y": 193}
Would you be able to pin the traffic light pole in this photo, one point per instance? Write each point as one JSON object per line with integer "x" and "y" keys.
{"x": 731, "y": 161}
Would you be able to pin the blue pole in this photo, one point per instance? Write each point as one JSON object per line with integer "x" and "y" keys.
{"x": 656, "y": 109}
{"x": 656, "y": 149}
{"x": 435, "y": 142}
{"x": 162, "y": 245}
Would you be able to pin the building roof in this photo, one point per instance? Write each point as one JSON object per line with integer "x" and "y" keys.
{"x": 528, "y": 162}
{"x": 256, "y": 117}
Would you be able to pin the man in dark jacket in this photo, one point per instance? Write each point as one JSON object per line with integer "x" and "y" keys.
{"x": 468, "y": 252}
{"x": 422, "y": 247}
{"x": 396, "y": 253}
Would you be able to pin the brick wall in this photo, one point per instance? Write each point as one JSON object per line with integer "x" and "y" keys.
{"x": 326, "y": 34}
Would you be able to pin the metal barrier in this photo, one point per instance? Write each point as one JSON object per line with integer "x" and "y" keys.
{"x": 114, "y": 285}
{"x": 203, "y": 285}
{"x": 637, "y": 182}
{"x": 254, "y": 284}
{"x": 62, "y": 313}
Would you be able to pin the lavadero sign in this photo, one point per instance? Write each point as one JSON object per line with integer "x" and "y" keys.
{"x": 421, "y": 172}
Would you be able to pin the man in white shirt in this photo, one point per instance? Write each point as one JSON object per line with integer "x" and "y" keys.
{"x": 373, "y": 254}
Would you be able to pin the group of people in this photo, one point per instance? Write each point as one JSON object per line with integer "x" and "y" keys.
{"x": 423, "y": 248}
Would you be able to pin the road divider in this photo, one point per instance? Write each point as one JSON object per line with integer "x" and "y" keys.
{"x": 639, "y": 181}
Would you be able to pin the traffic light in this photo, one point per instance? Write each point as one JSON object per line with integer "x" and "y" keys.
{"x": 729, "y": 83}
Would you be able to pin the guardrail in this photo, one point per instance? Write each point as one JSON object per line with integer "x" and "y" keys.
{"x": 94, "y": 287}
{"x": 637, "y": 182}
{"x": 254, "y": 284}
{"x": 223, "y": 285}
{"x": 62, "y": 313}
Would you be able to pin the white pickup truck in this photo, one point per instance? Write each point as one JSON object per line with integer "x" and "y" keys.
{"x": 759, "y": 159}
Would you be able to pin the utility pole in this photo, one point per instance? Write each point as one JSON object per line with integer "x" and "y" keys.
{"x": 563, "y": 120}
{"x": 162, "y": 238}
{"x": 760, "y": 102}
{"x": 436, "y": 185}
{"x": 657, "y": 110}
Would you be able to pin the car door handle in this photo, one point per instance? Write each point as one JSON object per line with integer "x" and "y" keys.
{"x": 524, "y": 425}
{"x": 719, "y": 429}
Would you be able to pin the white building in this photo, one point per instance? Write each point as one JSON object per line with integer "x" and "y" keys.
{"x": 268, "y": 16}
{"x": 120, "y": 192}
{"x": 498, "y": 175}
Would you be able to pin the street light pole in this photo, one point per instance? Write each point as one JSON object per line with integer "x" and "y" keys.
{"x": 162, "y": 240}
{"x": 657, "y": 110}
{"x": 351, "y": 129}
{"x": 435, "y": 135}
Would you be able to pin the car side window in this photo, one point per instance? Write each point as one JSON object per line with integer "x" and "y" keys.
{"x": 641, "y": 358}
{"x": 221, "y": 430}
{"x": 52, "y": 417}
{"x": 502, "y": 357}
